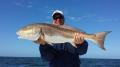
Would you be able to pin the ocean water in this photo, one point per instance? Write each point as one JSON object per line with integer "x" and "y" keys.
{"x": 37, "y": 62}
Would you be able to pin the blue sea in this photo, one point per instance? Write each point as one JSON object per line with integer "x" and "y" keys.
{"x": 37, "y": 62}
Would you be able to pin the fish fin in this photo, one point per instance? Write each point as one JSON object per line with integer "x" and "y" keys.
{"x": 40, "y": 34}
{"x": 99, "y": 38}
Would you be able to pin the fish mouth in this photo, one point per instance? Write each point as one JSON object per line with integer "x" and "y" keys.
{"x": 19, "y": 35}
{"x": 18, "y": 32}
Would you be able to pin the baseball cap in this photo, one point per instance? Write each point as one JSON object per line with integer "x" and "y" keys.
{"x": 57, "y": 11}
{"x": 58, "y": 14}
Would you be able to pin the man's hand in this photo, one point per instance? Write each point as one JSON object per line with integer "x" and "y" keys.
{"x": 41, "y": 40}
{"x": 78, "y": 38}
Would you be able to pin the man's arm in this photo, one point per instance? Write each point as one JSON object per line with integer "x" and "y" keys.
{"x": 47, "y": 52}
{"x": 81, "y": 44}
{"x": 82, "y": 48}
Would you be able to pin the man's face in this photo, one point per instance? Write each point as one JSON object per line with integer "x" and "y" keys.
{"x": 58, "y": 19}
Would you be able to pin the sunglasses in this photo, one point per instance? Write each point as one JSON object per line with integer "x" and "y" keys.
{"x": 58, "y": 16}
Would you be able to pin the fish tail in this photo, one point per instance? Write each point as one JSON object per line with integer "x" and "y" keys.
{"x": 99, "y": 38}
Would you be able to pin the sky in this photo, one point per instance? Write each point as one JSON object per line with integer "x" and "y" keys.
{"x": 89, "y": 15}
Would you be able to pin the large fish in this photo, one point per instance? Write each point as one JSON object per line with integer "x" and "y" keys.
{"x": 58, "y": 34}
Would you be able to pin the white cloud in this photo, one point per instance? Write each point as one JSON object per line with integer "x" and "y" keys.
{"x": 74, "y": 18}
{"x": 18, "y": 4}
{"x": 80, "y": 18}
{"x": 71, "y": 18}
{"x": 93, "y": 18}
{"x": 106, "y": 20}
{"x": 23, "y": 3}
{"x": 29, "y": 6}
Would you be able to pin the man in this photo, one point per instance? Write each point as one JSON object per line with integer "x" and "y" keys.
{"x": 62, "y": 54}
